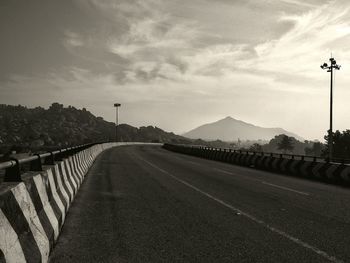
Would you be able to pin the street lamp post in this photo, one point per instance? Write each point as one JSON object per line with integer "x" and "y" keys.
{"x": 116, "y": 105}
{"x": 333, "y": 66}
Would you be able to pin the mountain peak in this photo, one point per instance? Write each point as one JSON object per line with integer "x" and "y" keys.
{"x": 229, "y": 118}
{"x": 230, "y": 129}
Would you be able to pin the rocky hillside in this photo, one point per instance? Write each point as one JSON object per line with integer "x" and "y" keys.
{"x": 60, "y": 126}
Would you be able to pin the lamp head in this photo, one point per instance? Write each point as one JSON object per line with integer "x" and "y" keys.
{"x": 117, "y": 104}
{"x": 324, "y": 66}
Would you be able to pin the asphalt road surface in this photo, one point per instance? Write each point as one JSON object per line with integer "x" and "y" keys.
{"x": 146, "y": 204}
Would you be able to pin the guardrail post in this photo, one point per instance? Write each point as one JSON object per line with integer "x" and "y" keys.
{"x": 13, "y": 174}
{"x": 65, "y": 153}
{"x": 59, "y": 156}
{"x": 36, "y": 164}
{"x": 50, "y": 160}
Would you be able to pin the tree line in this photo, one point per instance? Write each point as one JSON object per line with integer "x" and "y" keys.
{"x": 287, "y": 145}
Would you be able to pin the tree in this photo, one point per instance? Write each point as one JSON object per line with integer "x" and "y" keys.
{"x": 286, "y": 144}
{"x": 256, "y": 147}
{"x": 341, "y": 144}
{"x": 315, "y": 150}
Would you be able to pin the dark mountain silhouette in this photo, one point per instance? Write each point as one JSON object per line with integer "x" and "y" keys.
{"x": 60, "y": 126}
{"x": 230, "y": 129}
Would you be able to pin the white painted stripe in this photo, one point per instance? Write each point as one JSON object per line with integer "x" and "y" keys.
{"x": 284, "y": 165}
{"x": 261, "y": 161}
{"x": 73, "y": 173}
{"x": 83, "y": 161}
{"x": 285, "y": 188}
{"x": 60, "y": 186}
{"x": 9, "y": 243}
{"x": 86, "y": 158}
{"x": 274, "y": 164}
{"x": 267, "y": 162}
{"x": 292, "y": 167}
{"x": 330, "y": 171}
{"x": 80, "y": 167}
{"x": 253, "y": 160}
{"x": 66, "y": 181}
{"x": 77, "y": 169}
{"x": 70, "y": 176}
{"x": 86, "y": 162}
{"x": 46, "y": 204}
{"x": 26, "y": 204}
{"x": 79, "y": 162}
{"x": 345, "y": 174}
{"x": 90, "y": 159}
{"x": 304, "y": 168}
{"x": 55, "y": 194}
{"x": 225, "y": 172}
{"x": 251, "y": 217}
{"x": 235, "y": 174}
{"x": 264, "y": 182}
{"x": 316, "y": 170}
{"x": 193, "y": 163}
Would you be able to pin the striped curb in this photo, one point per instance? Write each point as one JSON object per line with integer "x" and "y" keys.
{"x": 334, "y": 173}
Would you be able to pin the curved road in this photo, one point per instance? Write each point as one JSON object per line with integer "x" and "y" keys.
{"x": 146, "y": 204}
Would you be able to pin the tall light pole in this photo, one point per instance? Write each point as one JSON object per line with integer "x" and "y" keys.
{"x": 333, "y": 66}
{"x": 116, "y": 105}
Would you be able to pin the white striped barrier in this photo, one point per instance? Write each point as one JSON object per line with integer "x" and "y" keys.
{"x": 32, "y": 212}
{"x": 323, "y": 171}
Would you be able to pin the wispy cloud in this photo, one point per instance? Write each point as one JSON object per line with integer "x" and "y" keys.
{"x": 300, "y": 50}
{"x": 300, "y": 3}
{"x": 72, "y": 39}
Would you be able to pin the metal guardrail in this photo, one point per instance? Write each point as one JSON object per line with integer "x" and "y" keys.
{"x": 277, "y": 155}
{"x": 14, "y": 165}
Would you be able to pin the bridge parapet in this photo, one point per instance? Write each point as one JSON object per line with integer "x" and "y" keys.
{"x": 34, "y": 204}
{"x": 310, "y": 167}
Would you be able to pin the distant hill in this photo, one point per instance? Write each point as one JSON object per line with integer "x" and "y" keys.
{"x": 60, "y": 126}
{"x": 230, "y": 129}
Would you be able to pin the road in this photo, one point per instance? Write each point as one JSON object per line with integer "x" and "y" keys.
{"x": 146, "y": 204}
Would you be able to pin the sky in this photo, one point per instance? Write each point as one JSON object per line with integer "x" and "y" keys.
{"x": 178, "y": 64}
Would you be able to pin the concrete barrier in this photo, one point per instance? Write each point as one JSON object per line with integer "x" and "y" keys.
{"x": 334, "y": 173}
{"x": 32, "y": 212}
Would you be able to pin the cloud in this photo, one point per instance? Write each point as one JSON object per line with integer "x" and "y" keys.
{"x": 72, "y": 39}
{"x": 299, "y": 51}
{"x": 194, "y": 61}
{"x": 300, "y": 3}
